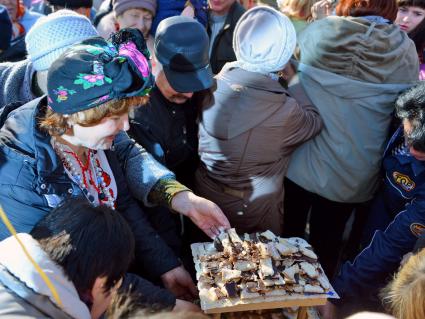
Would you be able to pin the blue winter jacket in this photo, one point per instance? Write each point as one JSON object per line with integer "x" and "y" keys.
{"x": 33, "y": 181}
{"x": 402, "y": 196}
{"x": 171, "y": 8}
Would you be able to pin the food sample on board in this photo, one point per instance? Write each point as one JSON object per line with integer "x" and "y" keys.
{"x": 258, "y": 265}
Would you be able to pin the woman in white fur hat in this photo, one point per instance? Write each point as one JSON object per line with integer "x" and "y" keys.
{"x": 248, "y": 134}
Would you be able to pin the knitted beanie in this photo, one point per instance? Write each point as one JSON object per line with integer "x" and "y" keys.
{"x": 120, "y": 6}
{"x": 52, "y": 35}
{"x": 6, "y": 27}
{"x": 72, "y": 4}
{"x": 255, "y": 49}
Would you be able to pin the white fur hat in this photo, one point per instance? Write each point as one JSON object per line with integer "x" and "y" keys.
{"x": 264, "y": 40}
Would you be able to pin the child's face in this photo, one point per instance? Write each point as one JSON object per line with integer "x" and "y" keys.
{"x": 408, "y": 18}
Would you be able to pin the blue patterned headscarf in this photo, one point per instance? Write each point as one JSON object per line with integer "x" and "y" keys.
{"x": 96, "y": 71}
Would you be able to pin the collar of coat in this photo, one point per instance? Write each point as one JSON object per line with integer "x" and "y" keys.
{"x": 14, "y": 262}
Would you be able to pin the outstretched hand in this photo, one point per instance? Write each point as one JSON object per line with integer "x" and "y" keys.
{"x": 203, "y": 212}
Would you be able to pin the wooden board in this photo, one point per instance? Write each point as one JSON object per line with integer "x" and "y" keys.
{"x": 259, "y": 303}
{"x": 256, "y": 304}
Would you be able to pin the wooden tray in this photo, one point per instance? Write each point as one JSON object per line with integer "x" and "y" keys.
{"x": 263, "y": 302}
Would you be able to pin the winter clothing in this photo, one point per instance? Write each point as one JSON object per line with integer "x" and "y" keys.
{"x": 106, "y": 71}
{"x": 402, "y": 205}
{"x": 16, "y": 82}
{"x": 29, "y": 19}
{"x": 42, "y": 184}
{"x": 299, "y": 204}
{"x": 169, "y": 132}
{"x": 256, "y": 52}
{"x": 23, "y": 293}
{"x": 16, "y": 52}
{"x": 167, "y": 8}
{"x": 222, "y": 50}
{"x": 6, "y": 27}
{"x": 120, "y": 6}
{"x": 245, "y": 148}
{"x": 330, "y": 51}
{"x": 53, "y": 34}
{"x": 181, "y": 47}
{"x": 357, "y": 118}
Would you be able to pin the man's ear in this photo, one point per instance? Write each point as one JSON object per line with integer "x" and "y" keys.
{"x": 99, "y": 303}
{"x": 98, "y": 286}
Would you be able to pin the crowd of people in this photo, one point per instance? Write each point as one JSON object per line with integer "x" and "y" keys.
{"x": 130, "y": 129}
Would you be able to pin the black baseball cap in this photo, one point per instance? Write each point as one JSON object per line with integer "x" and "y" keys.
{"x": 181, "y": 46}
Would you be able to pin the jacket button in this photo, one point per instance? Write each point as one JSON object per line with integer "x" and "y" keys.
{"x": 239, "y": 213}
{"x": 43, "y": 186}
{"x": 70, "y": 190}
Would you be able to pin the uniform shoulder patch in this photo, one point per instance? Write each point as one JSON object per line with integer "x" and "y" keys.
{"x": 404, "y": 181}
{"x": 417, "y": 229}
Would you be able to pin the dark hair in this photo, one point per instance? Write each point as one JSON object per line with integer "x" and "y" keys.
{"x": 411, "y": 3}
{"x": 360, "y": 8}
{"x": 417, "y": 34}
{"x": 87, "y": 242}
{"x": 410, "y": 106}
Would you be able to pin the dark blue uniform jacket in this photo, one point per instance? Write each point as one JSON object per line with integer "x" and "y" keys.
{"x": 401, "y": 199}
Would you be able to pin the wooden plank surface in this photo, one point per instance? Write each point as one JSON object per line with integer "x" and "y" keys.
{"x": 267, "y": 305}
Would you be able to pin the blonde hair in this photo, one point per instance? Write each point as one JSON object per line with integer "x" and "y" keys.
{"x": 56, "y": 124}
{"x": 299, "y": 9}
{"x": 405, "y": 294}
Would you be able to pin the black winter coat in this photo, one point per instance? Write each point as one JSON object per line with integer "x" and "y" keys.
{"x": 222, "y": 48}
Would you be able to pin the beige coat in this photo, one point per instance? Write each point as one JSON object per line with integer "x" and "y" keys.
{"x": 246, "y": 139}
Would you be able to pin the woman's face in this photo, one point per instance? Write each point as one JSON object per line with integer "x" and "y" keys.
{"x": 408, "y": 18}
{"x": 102, "y": 135}
{"x": 136, "y": 18}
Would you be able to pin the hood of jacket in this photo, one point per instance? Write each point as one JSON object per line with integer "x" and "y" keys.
{"x": 242, "y": 100}
{"x": 15, "y": 82}
{"x": 360, "y": 49}
{"x": 13, "y": 259}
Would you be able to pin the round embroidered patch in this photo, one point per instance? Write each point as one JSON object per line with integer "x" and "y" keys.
{"x": 404, "y": 181}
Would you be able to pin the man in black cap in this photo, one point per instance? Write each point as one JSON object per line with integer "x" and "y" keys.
{"x": 167, "y": 126}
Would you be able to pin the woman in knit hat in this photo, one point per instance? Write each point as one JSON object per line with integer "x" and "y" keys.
{"x": 60, "y": 146}
{"x": 249, "y": 133}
